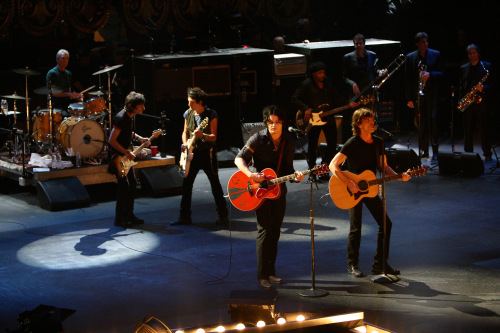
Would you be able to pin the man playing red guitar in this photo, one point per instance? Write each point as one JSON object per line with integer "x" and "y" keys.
{"x": 362, "y": 151}
{"x": 119, "y": 140}
{"x": 269, "y": 148}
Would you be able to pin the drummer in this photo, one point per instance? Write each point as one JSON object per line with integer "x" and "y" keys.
{"x": 61, "y": 77}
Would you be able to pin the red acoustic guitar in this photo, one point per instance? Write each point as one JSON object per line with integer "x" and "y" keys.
{"x": 247, "y": 195}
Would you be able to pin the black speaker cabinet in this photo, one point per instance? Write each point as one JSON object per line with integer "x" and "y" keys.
{"x": 164, "y": 180}
{"x": 252, "y": 306}
{"x": 460, "y": 164}
{"x": 61, "y": 194}
{"x": 400, "y": 160}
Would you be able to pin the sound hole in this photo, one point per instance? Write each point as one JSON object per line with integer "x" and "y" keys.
{"x": 363, "y": 185}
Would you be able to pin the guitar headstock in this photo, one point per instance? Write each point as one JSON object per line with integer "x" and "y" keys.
{"x": 156, "y": 134}
{"x": 320, "y": 169}
{"x": 420, "y": 171}
{"x": 366, "y": 99}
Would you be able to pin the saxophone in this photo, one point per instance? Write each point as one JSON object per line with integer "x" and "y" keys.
{"x": 422, "y": 68}
{"x": 473, "y": 96}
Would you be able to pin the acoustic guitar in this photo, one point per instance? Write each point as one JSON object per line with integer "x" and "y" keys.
{"x": 247, "y": 195}
{"x": 187, "y": 154}
{"x": 122, "y": 164}
{"x": 321, "y": 112}
{"x": 343, "y": 197}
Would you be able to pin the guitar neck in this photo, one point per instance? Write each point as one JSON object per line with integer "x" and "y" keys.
{"x": 135, "y": 152}
{"x": 327, "y": 113}
{"x": 286, "y": 178}
{"x": 387, "y": 179}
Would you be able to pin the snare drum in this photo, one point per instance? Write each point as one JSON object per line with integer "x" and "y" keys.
{"x": 83, "y": 135}
{"x": 95, "y": 106}
{"x": 77, "y": 110}
{"x": 41, "y": 124}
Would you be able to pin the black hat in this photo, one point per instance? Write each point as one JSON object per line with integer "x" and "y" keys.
{"x": 316, "y": 66}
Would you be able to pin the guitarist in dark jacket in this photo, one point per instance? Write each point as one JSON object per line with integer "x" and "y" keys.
{"x": 362, "y": 152}
{"x": 204, "y": 155}
{"x": 269, "y": 148}
{"x": 120, "y": 139}
{"x": 312, "y": 93}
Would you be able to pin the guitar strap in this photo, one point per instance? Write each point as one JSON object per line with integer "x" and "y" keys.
{"x": 281, "y": 155}
{"x": 377, "y": 153}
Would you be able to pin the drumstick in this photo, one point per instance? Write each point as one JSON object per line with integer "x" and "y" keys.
{"x": 83, "y": 92}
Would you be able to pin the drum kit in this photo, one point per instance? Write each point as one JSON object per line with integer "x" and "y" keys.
{"x": 84, "y": 131}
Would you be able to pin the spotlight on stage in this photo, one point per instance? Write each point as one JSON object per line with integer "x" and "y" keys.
{"x": 43, "y": 319}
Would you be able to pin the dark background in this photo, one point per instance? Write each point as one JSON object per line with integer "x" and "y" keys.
{"x": 329, "y": 20}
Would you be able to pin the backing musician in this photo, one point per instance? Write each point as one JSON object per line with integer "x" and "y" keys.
{"x": 313, "y": 92}
{"x": 204, "y": 155}
{"x": 61, "y": 77}
{"x": 470, "y": 75}
{"x": 120, "y": 139}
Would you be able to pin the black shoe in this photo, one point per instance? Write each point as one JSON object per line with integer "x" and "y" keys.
{"x": 376, "y": 269}
{"x": 121, "y": 223}
{"x": 354, "y": 271}
{"x": 488, "y": 159}
{"x": 222, "y": 221}
{"x": 265, "y": 284}
{"x": 181, "y": 221}
{"x": 135, "y": 220}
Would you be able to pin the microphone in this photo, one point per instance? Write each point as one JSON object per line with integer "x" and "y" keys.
{"x": 383, "y": 130}
{"x": 294, "y": 130}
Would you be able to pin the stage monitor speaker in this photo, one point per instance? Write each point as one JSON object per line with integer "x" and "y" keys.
{"x": 61, "y": 194}
{"x": 400, "y": 160}
{"x": 460, "y": 164}
{"x": 252, "y": 305}
{"x": 159, "y": 181}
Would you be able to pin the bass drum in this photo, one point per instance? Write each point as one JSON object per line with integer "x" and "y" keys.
{"x": 83, "y": 135}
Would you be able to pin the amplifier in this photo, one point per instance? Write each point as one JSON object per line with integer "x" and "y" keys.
{"x": 289, "y": 64}
{"x": 385, "y": 111}
{"x": 251, "y": 128}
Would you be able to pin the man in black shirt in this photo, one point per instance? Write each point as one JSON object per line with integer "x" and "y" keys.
{"x": 270, "y": 148}
{"x": 362, "y": 152}
{"x": 312, "y": 93}
{"x": 204, "y": 155}
{"x": 470, "y": 75}
{"x": 120, "y": 140}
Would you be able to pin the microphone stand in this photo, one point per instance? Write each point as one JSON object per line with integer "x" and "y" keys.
{"x": 313, "y": 292}
{"x": 384, "y": 278}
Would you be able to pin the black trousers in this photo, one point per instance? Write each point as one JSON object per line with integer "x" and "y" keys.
{"x": 477, "y": 115}
{"x": 312, "y": 142}
{"x": 428, "y": 123}
{"x": 375, "y": 207}
{"x": 126, "y": 193}
{"x": 269, "y": 220}
{"x": 207, "y": 161}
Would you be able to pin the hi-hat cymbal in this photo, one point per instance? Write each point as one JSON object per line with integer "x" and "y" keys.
{"x": 25, "y": 71}
{"x": 45, "y": 90}
{"x": 98, "y": 93}
{"x": 14, "y": 97}
{"x": 107, "y": 69}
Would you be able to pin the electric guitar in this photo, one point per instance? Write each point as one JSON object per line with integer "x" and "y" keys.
{"x": 122, "y": 164}
{"x": 187, "y": 154}
{"x": 343, "y": 197}
{"x": 319, "y": 113}
{"x": 247, "y": 195}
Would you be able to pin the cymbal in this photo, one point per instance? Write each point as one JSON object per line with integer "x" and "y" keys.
{"x": 14, "y": 97}
{"x": 45, "y": 90}
{"x": 107, "y": 69}
{"x": 25, "y": 71}
{"x": 98, "y": 93}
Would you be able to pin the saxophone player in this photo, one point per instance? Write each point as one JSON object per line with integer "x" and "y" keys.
{"x": 423, "y": 70}
{"x": 478, "y": 113}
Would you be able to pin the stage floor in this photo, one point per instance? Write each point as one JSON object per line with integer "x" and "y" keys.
{"x": 445, "y": 241}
